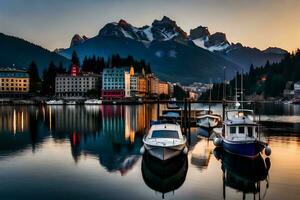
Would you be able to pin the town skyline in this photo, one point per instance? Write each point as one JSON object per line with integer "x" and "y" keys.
{"x": 52, "y": 24}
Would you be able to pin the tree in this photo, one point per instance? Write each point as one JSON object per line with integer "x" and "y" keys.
{"x": 75, "y": 59}
{"x": 34, "y": 77}
{"x": 48, "y": 84}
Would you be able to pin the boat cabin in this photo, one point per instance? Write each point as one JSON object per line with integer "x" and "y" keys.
{"x": 240, "y": 125}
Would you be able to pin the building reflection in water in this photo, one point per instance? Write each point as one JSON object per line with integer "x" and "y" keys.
{"x": 112, "y": 134}
{"x": 243, "y": 174}
{"x": 14, "y": 120}
{"x": 19, "y": 129}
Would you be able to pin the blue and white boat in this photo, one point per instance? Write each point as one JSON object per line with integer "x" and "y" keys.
{"x": 240, "y": 135}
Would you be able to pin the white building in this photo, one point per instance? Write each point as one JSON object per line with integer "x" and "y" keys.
{"x": 116, "y": 83}
{"x": 67, "y": 85}
{"x": 297, "y": 89}
{"x": 134, "y": 85}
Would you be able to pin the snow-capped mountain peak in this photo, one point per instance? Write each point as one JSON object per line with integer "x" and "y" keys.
{"x": 201, "y": 37}
{"x": 160, "y": 30}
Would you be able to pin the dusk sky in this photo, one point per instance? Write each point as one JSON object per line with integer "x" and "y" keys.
{"x": 254, "y": 23}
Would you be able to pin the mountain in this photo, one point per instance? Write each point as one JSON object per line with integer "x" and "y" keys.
{"x": 19, "y": 52}
{"x": 173, "y": 54}
{"x": 236, "y": 53}
{"x": 77, "y": 39}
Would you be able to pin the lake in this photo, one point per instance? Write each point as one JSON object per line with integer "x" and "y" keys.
{"x": 93, "y": 152}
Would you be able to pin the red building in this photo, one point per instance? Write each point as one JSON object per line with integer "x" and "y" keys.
{"x": 74, "y": 71}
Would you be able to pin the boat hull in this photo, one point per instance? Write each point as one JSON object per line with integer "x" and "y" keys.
{"x": 243, "y": 148}
{"x": 164, "y": 153}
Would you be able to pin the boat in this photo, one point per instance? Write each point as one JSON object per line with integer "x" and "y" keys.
{"x": 71, "y": 103}
{"x": 55, "y": 102}
{"x": 172, "y": 104}
{"x": 164, "y": 141}
{"x": 93, "y": 102}
{"x": 208, "y": 120}
{"x": 241, "y": 133}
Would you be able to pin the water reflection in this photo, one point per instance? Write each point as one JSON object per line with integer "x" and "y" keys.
{"x": 111, "y": 134}
{"x": 164, "y": 177}
{"x": 76, "y": 152}
{"x": 243, "y": 174}
{"x": 201, "y": 153}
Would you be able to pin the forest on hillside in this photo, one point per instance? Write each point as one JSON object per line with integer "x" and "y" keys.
{"x": 269, "y": 80}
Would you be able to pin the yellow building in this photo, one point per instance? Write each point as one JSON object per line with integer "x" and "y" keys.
{"x": 14, "y": 81}
{"x": 142, "y": 86}
{"x": 163, "y": 88}
{"x": 152, "y": 84}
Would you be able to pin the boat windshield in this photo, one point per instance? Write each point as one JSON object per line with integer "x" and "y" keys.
{"x": 239, "y": 114}
{"x": 165, "y": 134}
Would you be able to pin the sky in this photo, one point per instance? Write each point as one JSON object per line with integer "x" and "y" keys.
{"x": 254, "y": 23}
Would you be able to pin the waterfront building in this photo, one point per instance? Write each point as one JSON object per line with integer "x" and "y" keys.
{"x": 75, "y": 84}
{"x": 13, "y": 82}
{"x": 116, "y": 83}
{"x": 74, "y": 71}
{"x": 133, "y": 82}
{"x": 163, "y": 88}
{"x": 138, "y": 83}
{"x": 297, "y": 89}
{"x": 142, "y": 86}
{"x": 152, "y": 85}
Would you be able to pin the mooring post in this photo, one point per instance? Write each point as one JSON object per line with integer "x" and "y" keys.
{"x": 223, "y": 105}
{"x": 189, "y": 133}
{"x": 158, "y": 109}
{"x": 185, "y": 116}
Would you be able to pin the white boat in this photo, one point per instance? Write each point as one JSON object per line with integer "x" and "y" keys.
{"x": 165, "y": 141}
{"x": 93, "y": 102}
{"x": 55, "y": 102}
{"x": 208, "y": 119}
{"x": 71, "y": 103}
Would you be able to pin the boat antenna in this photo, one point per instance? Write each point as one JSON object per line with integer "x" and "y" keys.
{"x": 237, "y": 104}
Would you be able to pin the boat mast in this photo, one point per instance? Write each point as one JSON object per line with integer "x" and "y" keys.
{"x": 224, "y": 84}
{"x": 209, "y": 94}
{"x": 236, "y": 98}
{"x": 242, "y": 91}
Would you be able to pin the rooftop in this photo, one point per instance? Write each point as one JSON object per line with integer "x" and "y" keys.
{"x": 13, "y": 72}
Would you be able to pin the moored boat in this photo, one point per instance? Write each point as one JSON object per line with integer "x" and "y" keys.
{"x": 93, "y": 102}
{"x": 55, "y": 102}
{"x": 165, "y": 141}
{"x": 208, "y": 120}
{"x": 241, "y": 136}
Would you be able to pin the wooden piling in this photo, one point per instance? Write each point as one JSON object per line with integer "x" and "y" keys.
{"x": 223, "y": 112}
{"x": 189, "y": 130}
{"x": 158, "y": 112}
{"x": 185, "y": 116}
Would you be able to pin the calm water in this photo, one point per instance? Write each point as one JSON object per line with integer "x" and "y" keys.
{"x": 92, "y": 152}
